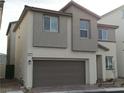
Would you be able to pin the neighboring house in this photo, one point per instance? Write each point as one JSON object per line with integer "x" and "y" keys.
{"x": 55, "y": 48}
{"x": 116, "y": 17}
{"x": 1, "y": 10}
{"x": 2, "y": 65}
{"x": 106, "y": 58}
{"x": 11, "y": 44}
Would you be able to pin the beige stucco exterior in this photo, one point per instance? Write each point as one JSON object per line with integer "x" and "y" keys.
{"x": 21, "y": 51}
{"x": 116, "y": 18}
{"x": 11, "y": 45}
{"x": 108, "y": 74}
{"x": 25, "y": 52}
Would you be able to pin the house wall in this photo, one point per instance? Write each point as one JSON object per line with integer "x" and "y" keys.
{"x": 83, "y": 44}
{"x": 107, "y": 74}
{"x": 8, "y": 48}
{"x": 58, "y": 53}
{"x": 21, "y": 51}
{"x": 48, "y": 39}
{"x": 25, "y": 51}
{"x": 111, "y": 34}
{"x": 2, "y": 66}
{"x": 11, "y": 46}
{"x": 116, "y": 18}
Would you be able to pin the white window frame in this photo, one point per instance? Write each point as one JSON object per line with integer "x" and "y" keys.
{"x": 109, "y": 64}
{"x": 50, "y": 24}
{"x": 102, "y": 32}
{"x": 86, "y": 30}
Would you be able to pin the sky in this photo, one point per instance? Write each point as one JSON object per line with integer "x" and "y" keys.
{"x": 13, "y": 9}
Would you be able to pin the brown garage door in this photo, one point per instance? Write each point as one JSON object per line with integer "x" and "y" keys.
{"x": 58, "y": 73}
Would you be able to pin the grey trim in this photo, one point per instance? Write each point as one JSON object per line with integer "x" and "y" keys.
{"x": 107, "y": 41}
{"x": 86, "y": 44}
{"x": 49, "y": 39}
{"x": 50, "y": 58}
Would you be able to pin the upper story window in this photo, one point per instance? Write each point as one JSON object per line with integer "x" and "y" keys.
{"x": 84, "y": 28}
{"x": 50, "y": 23}
{"x": 103, "y": 34}
{"x": 109, "y": 65}
{"x": 122, "y": 13}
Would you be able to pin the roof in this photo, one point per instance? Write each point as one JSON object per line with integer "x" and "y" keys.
{"x": 103, "y": 47}
{"x": 107, "y": 26}
{"x": 112, "y": 11}
{"x": 10, "y": 26}
{"x": 34, "y": 9}
{"x": 2, "y": 54}
{"x": 1, "y": 3}
{"x": 80, "y": 7}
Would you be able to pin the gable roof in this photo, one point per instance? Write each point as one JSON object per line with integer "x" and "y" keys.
{"x": 107, "y": 26}
{"x": 14, "y": 22}
{"x": 103, "y": 47}
{"x": 34, "y": 9}
{"x": 112, "y": 11}
{"x": 80, "y": 7}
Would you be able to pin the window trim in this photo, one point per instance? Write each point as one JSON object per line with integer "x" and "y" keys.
{"x": 103, "y": 30}
{"x": 109, "y": 67}
{"x": 88, "y": 31}
{"x": 51, "y": 15}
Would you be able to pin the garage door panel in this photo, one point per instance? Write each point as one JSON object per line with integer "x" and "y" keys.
{"x": 52, "y": 73}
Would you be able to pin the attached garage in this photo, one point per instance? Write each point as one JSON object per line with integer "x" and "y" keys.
{"x": 48, "y": 73}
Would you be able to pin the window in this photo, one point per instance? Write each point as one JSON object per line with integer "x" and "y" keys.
{"x": 84, "y": 28}
{"x": 50, "y": 23}
{"x": 122, "y": 13}
{"x": 109, "y": 65}
{"x": 103, "y": 34}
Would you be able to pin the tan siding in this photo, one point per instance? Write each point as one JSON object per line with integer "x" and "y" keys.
{"x": 49, "y": 39}
{"x": 83, "y": 44}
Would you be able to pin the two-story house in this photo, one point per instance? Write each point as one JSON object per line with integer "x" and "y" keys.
{"x": 56, "y": 48}
{"x": 116, "y": 17}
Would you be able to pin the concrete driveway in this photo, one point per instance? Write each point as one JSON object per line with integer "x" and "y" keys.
{"x": 9, "y": 86}
{"x": 103, "y": 90}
